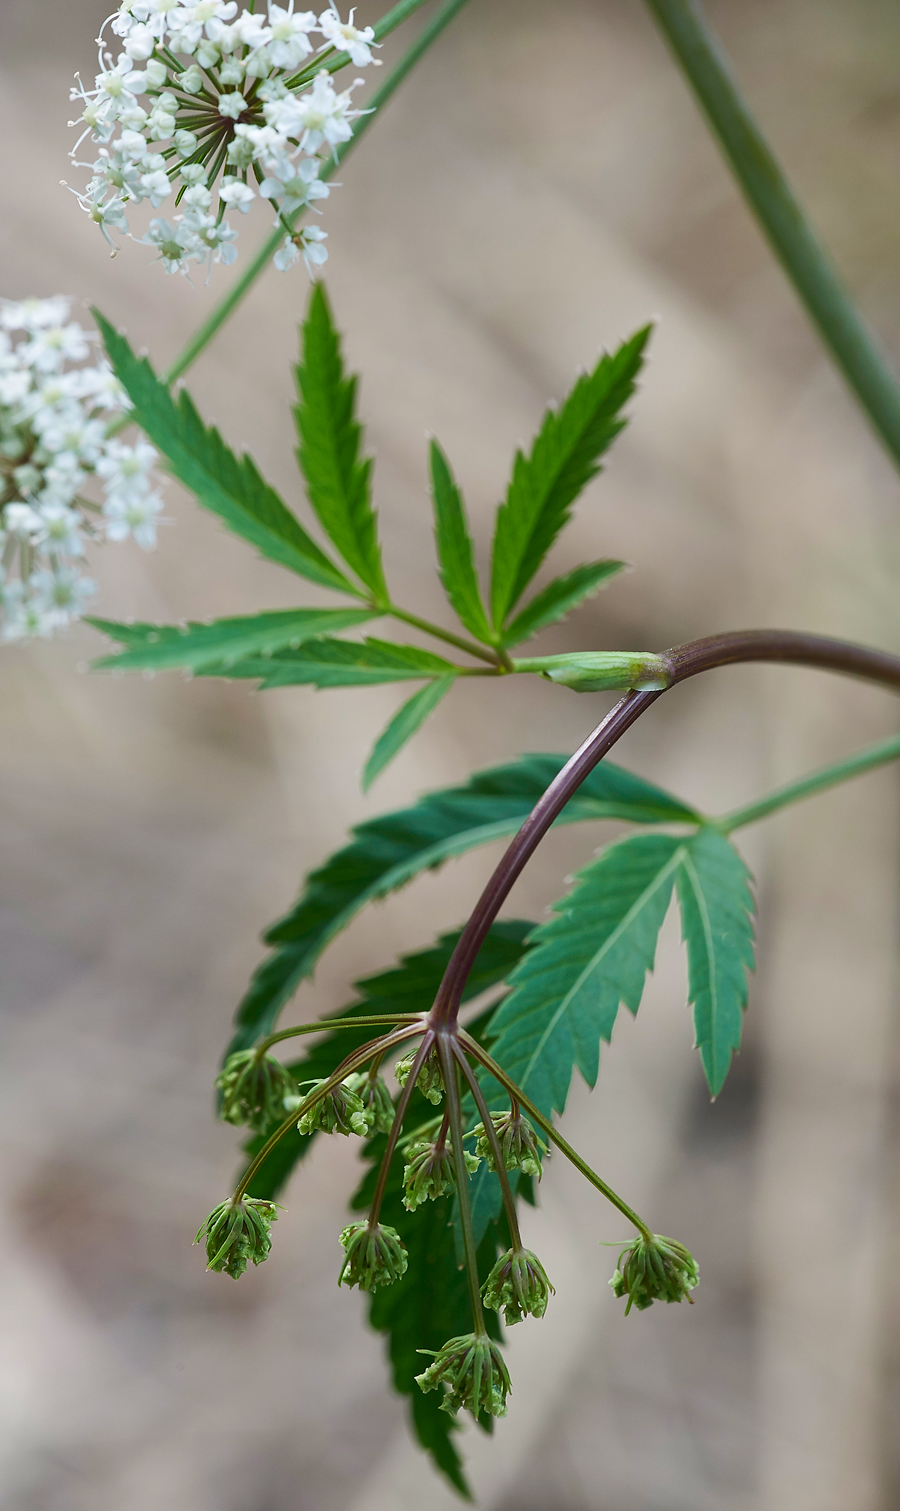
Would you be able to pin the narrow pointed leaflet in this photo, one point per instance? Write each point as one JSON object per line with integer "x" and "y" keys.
{"x": 563, "y": 459}
{"x": 559, "y": 598}
{"x": 215, "y": 648}
{"x": 338, "y": 479}
{"x": 456, "y": 553}
{"x": 401, "y": 728}
{"x": 228, "y": 486}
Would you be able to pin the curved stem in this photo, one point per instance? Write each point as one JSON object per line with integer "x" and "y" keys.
{"x": 352, "y": 1062}
{"x": 451, "y": 1092}
{"x": 325, "y": 1026}
{"x": 564, "y": 1147}
{"x": 817, "y": 781}
{"x": 681, "y": 662}
{"x": 402, "y": 1105}
{"x": 781, "y": 218}
{"x": 509, "y": 1204}
{"x": 242, "y": 286}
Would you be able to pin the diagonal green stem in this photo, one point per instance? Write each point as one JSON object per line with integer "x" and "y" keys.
{"x": 324, "y": 1025}
{"x": 451, "y": 1092}
{"x": 817, "y": 781}
{"x": 509, "y": 1203}
{"x": 242, "y": 286}
{"x": 393, "y": 1137}
{"x": 781, "y": 217}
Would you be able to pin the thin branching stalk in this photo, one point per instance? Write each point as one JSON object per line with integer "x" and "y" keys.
{"x": 325, "y": 1025}
{"x": 509, "y": 1204}
{"x": 451, "y": 1092}
{"x": 422, "y": 1053}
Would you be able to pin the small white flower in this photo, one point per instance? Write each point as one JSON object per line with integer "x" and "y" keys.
{"x": 191, "y": 80}
{"x": 22, "y": 521}
{"x": 289, "y": 43}
{"x": 34, "y": 314}
{"x": 314, "y": 118}
{"x": 61, "y": 530}
{"x": 136, "y": 517}
{"x": 306, "y": 244}
{"x": 139, "y": 42}
{"x": 355, "y": 40}
{"x": 232, "y": 105}
{"x": 126, "y": 470}
{"x": 293, "y": 184}
{"x": 197, "y": 197}
{"x": 51, "y": 345}
{"x": 156, "y": 187}
{"x": 236, "y": 194}
{"x": 60, "y": 596}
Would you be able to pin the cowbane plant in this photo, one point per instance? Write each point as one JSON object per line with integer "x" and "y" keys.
{"x": 55, "y": 411}
{"x": 452, "y": 1066}
{"x": 203, "y": 107}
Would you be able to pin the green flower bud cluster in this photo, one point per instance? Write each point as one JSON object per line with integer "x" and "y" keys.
{"x": 429, "y": 1080}
{"x": 661, "y": 1270}
{"x": 236, "y": 1232}
{"x": 429, "y": 1173}
{"x": 254, "y": 1088}
{"x": 340, "y": 1111}
{"x": 518, "y": 1283}
{"x": 518, "y": 1143}
{"x": 376, "y": 1100}
{"x": 375, "y": 1256}
{"x": 472, "y": 1373}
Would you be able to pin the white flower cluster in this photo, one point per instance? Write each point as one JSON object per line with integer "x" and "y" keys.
{"x": 202, "y": 99}
{"x": 53, "y": 436}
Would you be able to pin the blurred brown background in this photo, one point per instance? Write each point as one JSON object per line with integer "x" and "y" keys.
{"x": 542, "y": 185}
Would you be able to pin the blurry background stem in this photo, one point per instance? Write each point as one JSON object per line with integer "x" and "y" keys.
{"x": 795, "y": 244}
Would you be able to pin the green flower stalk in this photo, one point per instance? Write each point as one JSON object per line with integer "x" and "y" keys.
{"x": 375, "y": 1256}
{"x": 517, "y": 1140}
{"x": 656, "y": 1270}
{"x": 519, "y": 1284}
{"x": 339, "y": 1111}
{"x": 254, "y": 1088}
{"x": 236, "y": 1232}
{"x": 429, "y": 1080}
{"x": 376, "y": 1100}
{"x": 428, "y": 1172}
{"x": 472, "y": 1373}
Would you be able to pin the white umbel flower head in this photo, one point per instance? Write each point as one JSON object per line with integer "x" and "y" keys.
{"x": 53, "y": 442}
{"x": 205, "y": 89}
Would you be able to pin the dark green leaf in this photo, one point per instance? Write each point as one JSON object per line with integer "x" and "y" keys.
{"x": 387, "y": 852}
{"x": 338, "y": 481}
{"x": 559, "y": 597}
{"x": 562, "y": 461}
{"x": 454, "y": 548}
{"x": 403, "y": 726}
{"x": 349, "y": 663}
{"x": 229, "y": 486}
{"x": 215, "y": 647}
{"x": 717, "y": 924}
{"x": 592, "y": 956}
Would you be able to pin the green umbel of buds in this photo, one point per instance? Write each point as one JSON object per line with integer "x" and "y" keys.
{"x": 429, "y": 1173}
{"x": 339, "y": 1111}
{"x": 518, "y": 1283}
{"x": 472, "y": 1374}
{"x": 376, "y": 1100}
{"x": 237, "y": 1232}
{"x": 254, "y": 1088}
{"x": 517, "y": 1141}
{"x": 429, "y": 1080}
{"x": 375, "y": 1256}
{"x": 661, "y": 1270}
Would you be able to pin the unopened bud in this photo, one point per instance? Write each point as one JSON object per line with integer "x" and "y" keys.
{"x": 518, "y": 1283}
{"x": 661, "y": 1270}
{"x": 429, "y": 1171}
{"x": 517, "y": 1140}
{"x": 601, "y": 671}
{"x": 429, "y": 1080}
{"x": 254, "y": 1089}
{"x": 472, "y": 1373}
{"x": 376, "y": 1101}
{"x": 375, "y": 1256}
{"x": 237, "y": 1232}
{"x": 338, "y": 1111}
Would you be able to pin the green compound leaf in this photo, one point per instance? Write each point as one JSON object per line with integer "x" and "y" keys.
{"x": 592, "y": 956}
{"x": 338, "y": 481}
{"x": 389, "y": 851}
{"x": 403, "y": 726}
{"x": 227, "y": 485}
{"x": 339, "y": 663}
{"x": 214, "y": 648}
{"x": 562, "y": 461}
{"x": 455, "y": 551}
{"x": 717, "y": 926}
{"x": 559, "y": 598}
